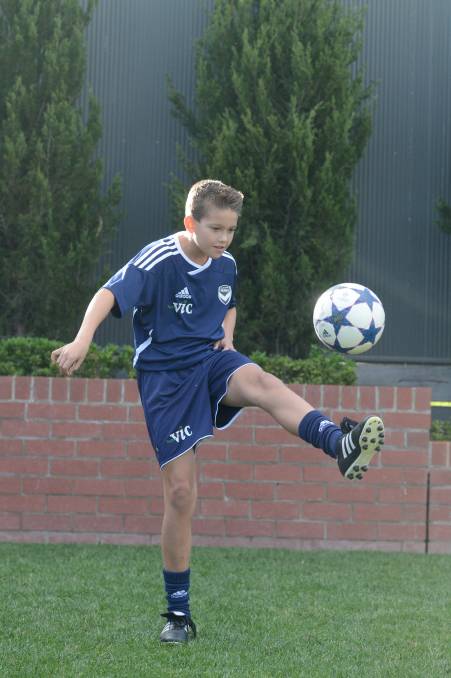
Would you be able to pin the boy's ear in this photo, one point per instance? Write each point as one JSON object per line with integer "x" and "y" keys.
{"x": 190, "y": 224}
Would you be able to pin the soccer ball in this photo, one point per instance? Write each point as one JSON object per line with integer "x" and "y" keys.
{"x": 349, "y": 318}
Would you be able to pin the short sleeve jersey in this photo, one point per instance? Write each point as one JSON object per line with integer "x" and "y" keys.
{"x": 178, "y": 305}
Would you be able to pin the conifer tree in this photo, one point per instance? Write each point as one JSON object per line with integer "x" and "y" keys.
{"x": 282, "y": 113}
{"x": 54, "y": 219}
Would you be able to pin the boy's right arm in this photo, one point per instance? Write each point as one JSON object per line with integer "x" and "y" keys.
{"x": 70, "y": 357}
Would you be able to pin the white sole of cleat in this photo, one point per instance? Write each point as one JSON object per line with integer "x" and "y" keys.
{"x": 372, "y": 437}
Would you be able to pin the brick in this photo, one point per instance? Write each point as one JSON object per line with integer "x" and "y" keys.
{"x": 135, "y": 413}
{"x": 396, "y": 476}
{"x": 125, "y": 505}
{"x": 22, "y": 388}
{"x": 404, "y": 532}
{"x": 22, "y": 503}
{"x": 59, "y": 388}
{"x": 440, "y": 495}
{"x": 275, "y": 510}
{"x": 76, "y": 429}
{"x": 100, "y": 448}
{"x": 441, "y": 477}
{"x": 45, "y": 521}
{"x": 102, "y": 413}
{"x": 418, "y": 439}
{"x": 349, "y": 396}
{"x": 213, "y": 452}
{"x": 367, "y": 398}
{"x": 71, "y": 504}
{"x": 52, "y": 411}
{"x": 211, "y": 490}
{"x": 440, "y": 532}
{"x": 24, "y": 429}
{"x": 10, "y": 521}
{"x": 156, "y": 506}
{"x": 95, "y": 390}
{"x": 249, "y": 490}
{"x": 73, "y": 467}
{"x": 299, "y": 529}
{"x": 313, "y": 395}
{"x": 146, "y": 524}
{"x": 422, "y": 398}
{"x": 11, "y": 446}
{"x": 301, "y": 454}
{"x": 49, "y": 448}
{"x": 140, "y": 449}
{"x": 327, "y": 474}
{"x": 143, "y": 487}
{"x": 394, "y": 439}
{"x": 225, "y": 507}
{"x": 235, "y": 527}
{"x": 125, "y": 468}
{"x": 236, "y": 434}
{"x": 227, "y": 471}
{"x": 213, "y": 526}
{"x": 253, "y": 453}
{"x": 407, "y": 420}
{"x": 402, "y": 494}
{"x": 413, "y": 513}
{"x": 301, "y": 492}
{"x": 125, "y": 431}
{"x": 6, "y": 388}
{"x": 274, "y": 435}
{"x": 351, "y": 493}
{"x": 47, "y": 485}
{"x": 41, "y": 388}
{"x": 23, "y": 465}
{"x": 376, "y": 512}
{"x": 331, "y": 396}
{"x": 114, "y": 390}
{"x": 97, "y": 523}
{"x": 352, "y": 531}
{"x": 99, "y": 487}
{"x": 254, "y": 416}
{"x": 386, "y": 398}
{"x": 405, "y": 458}
{"x": 439, "y": 453}
{"x": 77, "y": 390}
{"x": 12, "y": 410}
{"x": 9, "y": 485}
{"x": 131, "y": 394}
{"x": 322, "y": 511}
{"x": 287, "y": 473}
{"x": 440, "y": 514}
{"x": 70, "y": 538}
{"x": 404, "y": 398}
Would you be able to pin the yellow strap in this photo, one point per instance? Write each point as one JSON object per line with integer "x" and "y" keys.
{"x": 440, "y": 403}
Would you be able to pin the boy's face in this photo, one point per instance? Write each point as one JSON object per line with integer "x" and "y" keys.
{"x": 214, "y": 232}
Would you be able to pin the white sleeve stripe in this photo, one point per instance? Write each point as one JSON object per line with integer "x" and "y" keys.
{"x": 229, "y": 256}
{"x": 157, "y": 261}
{"x": 154, "y": 254}
{"x": 152, "y": 247}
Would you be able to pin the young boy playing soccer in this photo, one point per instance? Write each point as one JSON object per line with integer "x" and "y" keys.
{"x": 190, "y": 377}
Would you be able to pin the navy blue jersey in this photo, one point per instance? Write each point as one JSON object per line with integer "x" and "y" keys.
{"x": 178, "y": 306}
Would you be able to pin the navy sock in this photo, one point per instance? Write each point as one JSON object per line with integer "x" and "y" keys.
{"x": 319, "y": 431}
{"x": 177, "y": 591}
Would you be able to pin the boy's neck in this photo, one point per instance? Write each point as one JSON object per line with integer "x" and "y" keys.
{"x": 191, "y": 249}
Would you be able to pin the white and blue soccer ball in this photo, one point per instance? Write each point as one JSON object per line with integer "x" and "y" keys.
{"x": 349, "y": 318}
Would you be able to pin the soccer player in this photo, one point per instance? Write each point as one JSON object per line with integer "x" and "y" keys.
{"x": 190, "y": 377}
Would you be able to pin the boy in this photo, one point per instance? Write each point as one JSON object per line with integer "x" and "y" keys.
{"x": 191, "y": 378}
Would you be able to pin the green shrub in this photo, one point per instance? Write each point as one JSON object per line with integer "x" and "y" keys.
{"x": 24, "y": 356}
{"x": 441, "y": 430}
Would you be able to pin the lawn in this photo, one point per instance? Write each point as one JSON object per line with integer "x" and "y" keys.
{"x": 71, "y": 610}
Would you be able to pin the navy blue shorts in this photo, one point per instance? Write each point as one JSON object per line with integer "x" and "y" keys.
{"x": 182, "y": 406}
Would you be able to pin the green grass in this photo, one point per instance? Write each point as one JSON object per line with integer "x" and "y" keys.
{"x": 70, "y": 610}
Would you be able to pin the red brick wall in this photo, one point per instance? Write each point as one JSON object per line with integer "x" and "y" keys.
{"x": 76, "y": 465}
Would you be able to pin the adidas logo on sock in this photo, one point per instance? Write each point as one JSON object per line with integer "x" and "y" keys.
{"x": 183, "y": 294}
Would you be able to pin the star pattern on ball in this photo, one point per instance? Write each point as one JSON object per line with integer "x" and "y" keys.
{"x": 366, "y": 297}
{"x": 338, "y": 318}
{"x": 370, "y": 334}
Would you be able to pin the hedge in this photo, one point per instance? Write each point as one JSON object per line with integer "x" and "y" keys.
{"x": 30, "y": 356}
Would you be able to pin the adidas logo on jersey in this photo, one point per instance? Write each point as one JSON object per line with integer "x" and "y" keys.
{"x": 183, "y": 294}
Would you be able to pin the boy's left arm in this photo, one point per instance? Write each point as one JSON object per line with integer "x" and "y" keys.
{"x": 226, "y": 343}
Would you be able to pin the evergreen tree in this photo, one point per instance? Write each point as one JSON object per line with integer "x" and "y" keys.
{"x": 281, "y": 113}
{"x": 54, "y": 220}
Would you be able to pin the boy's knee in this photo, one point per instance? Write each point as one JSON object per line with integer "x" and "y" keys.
{"x": 182, "y": 496}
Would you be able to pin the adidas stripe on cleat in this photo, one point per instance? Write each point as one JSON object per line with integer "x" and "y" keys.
{"x": 358, "y": 445}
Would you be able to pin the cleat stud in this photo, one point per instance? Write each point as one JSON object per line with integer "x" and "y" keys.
{"x": 356, "y": 468}
{"x": 378, "y": 449}
{"x": 364, "y": 447}
{"x": 373, "y": 440}
{"x": 368, "y": 430}
{"x": 359, "y": 476}
{"x": 364, "y": 469}
{"x": 351, "y": 476}
{"x": 364, "y": 439}
{"x": 380, "y": 428}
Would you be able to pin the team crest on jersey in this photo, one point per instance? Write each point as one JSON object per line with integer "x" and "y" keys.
{"x": 224, "y": 293}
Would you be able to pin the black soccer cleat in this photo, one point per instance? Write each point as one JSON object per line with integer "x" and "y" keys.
{"x": 178, "y": 628}
{"x": 358, "y": 445}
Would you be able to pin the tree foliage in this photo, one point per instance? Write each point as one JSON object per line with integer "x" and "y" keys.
{"x": 282, "y": 113}
{"x": 54, "y": 220}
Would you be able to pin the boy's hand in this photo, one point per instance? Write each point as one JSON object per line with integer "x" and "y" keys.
{"x": 224, "y": 344}
{"x": 70, "y": 357}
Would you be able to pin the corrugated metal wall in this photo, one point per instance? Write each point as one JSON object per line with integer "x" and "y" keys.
{"x": 400, "y": 252}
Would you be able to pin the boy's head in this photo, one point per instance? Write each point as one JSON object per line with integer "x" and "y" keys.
{"x": 212, "y": 193}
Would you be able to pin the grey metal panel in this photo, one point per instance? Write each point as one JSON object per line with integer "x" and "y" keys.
{"x": 399, "y": 251}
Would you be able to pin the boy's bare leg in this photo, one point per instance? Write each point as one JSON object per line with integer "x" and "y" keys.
{"x": 250, "y": 385}
{"x": 180, "y": 494}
